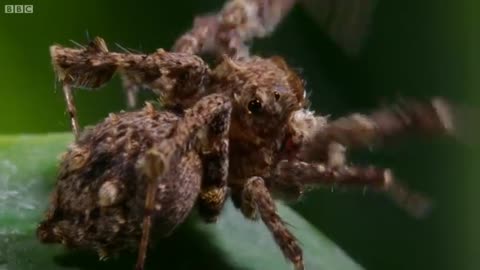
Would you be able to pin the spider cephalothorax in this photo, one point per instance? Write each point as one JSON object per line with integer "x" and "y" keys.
{"x": 264, "y": 94}
{"x": 238, "y": 129}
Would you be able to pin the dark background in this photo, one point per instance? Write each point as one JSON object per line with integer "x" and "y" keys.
{"x": 414, "y": 49}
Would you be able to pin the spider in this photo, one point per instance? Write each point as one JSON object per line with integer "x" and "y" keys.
{"x": 240, "y": 129}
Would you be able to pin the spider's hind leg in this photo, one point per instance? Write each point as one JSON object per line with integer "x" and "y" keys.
{"x": 72, "y": 110}
{"x": 88, "y": 67}
{"x": 228, "y": 31}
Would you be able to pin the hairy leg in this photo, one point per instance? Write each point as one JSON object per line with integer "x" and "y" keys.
{"x": 215, "y": 166}
{"x": 298, "y": 173}
{"x": 154, "y": 168}
{"x": 166, "y": 154}
{"x": 71, "y": 108}
{"x": 131, "y": 91}
{"x": 180, "y": 79}
{"x": 256, "y": 194}
{"x": 177, "y": 76}
{"x": 237, "y": 23}
{"x": 75, "y": 72}
{"x": 357, "y": 130}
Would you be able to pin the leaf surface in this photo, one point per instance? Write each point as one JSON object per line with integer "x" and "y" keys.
{"x": 27, "y": 175}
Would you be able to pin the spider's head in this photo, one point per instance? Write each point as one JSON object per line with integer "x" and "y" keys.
{"x": 265, "y": 92}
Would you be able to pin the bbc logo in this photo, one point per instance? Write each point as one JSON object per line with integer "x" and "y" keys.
{"x": 17, "y": 9}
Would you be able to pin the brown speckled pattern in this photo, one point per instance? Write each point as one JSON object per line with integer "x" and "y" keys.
{"x": 240, "y": 129}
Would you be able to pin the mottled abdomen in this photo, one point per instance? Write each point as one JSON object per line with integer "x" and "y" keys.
{"x": 99, "y": 199}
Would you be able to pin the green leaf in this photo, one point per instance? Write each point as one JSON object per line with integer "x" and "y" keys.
{"x": 27, "y": 174}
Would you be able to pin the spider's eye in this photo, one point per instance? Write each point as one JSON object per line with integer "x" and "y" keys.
{"x": 277, "y": 95}
{"x": 254, "y": 106}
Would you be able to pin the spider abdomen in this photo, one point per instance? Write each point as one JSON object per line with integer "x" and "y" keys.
{"x": 99, "y": 199}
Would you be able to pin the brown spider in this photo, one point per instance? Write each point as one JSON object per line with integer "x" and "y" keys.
{"x": 241, "y": 130}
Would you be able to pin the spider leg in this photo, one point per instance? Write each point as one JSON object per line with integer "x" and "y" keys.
{"x": 72, "y": 110}
{"x": 168, "y": 153}
{"x": 237, "y": 23}
{"x": 215, "y": 164}
{"x": 199, "y": 38}
{"x": 154, "y": 167}
{"x": 213, "y": 112}
{"x": 294, "y": 173}
{"x": 131, "y": 91}
{"x": 179, "y": 78}
{"x": 72, "y": 70}
{"x": 257, "y": 194}
{"x": 357, "y": 130}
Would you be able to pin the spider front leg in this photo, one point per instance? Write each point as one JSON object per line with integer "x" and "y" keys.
{"x": 298, "y": 173}
{"x": 215, "y": 167}
{"x": 212, "y": 111}
{"x": 255, "y": 194}
{"x": 358, "y": 130}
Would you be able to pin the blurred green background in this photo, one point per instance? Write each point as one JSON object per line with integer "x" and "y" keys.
{"x": 414, "y": 49}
